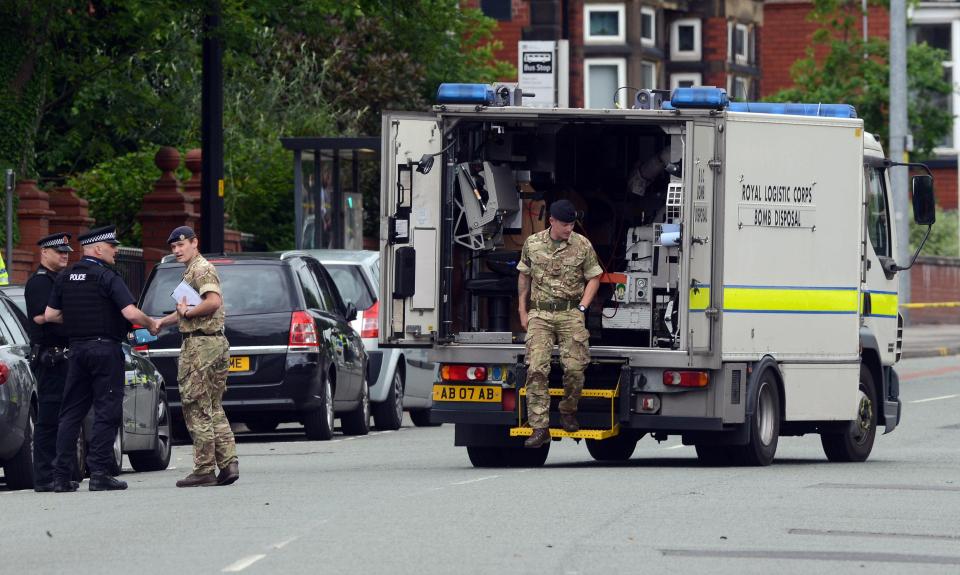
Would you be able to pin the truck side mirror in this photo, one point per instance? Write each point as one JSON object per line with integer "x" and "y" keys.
{"x": 924, "y": 212}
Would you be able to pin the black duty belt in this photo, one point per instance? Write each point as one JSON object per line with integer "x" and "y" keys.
{"x": 188, "y": 334}
{"x": 554, "y": 305}
{"x": 104, "y": 338}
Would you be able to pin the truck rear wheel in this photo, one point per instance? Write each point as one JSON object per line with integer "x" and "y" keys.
{"x": 764, "y": 425}
{"x": 856, "y": 442}
{"x": 484, "y": 456}
{"x": 617, "y": 448}
{"x": 714, "y": 455}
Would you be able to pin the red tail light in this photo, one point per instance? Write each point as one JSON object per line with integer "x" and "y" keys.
{"x": 4, "y": 372}
{"x": 463, "y": 373}
{"x": 303, "y": 330}
{"x": 137, "y": 326}
{"x": 369, "y": 326}
{"x": 509, "y": 399}
{"x": 686, "y": 378}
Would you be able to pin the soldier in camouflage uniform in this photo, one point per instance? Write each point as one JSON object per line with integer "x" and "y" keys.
{"x": 204, "y": 363}
{"x": 565, "y": 277}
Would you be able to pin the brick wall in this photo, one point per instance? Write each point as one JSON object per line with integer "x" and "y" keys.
{"x": 714, "y": 51}
{"x": 575, "y": 22}
{"x": 945, "y": 187}
{"x": 508, "y": 32}
{"x": 786, "y": 34}
{"x": 935, "y": 279}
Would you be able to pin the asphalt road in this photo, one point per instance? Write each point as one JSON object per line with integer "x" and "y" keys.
{"x": 409, "y": 502}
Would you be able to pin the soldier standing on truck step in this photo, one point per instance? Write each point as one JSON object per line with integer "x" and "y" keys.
{"x": 560, "y": 274}
{"x": 203, "y": 368}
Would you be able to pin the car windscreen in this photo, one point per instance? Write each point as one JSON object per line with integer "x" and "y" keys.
{"x": 248, "y": 289}
{"x": 352, "y": 285}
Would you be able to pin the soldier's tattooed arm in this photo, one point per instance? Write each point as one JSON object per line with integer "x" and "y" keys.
{"x": 523, "y": 291}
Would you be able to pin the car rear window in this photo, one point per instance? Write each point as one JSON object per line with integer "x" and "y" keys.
{"x": 351, "y": 284}
{"x": 248, "y": 289}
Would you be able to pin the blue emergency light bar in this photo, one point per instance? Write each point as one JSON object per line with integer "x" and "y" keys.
{"x": 710, "y": 98}
{"x": 481, "y": 94}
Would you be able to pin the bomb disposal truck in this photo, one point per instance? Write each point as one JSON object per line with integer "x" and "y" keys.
{"x": 750, "y": 286}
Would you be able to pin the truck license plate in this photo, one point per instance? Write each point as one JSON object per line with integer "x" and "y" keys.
{"x": 484, "y": 393}
{"x": 240, "y": 363}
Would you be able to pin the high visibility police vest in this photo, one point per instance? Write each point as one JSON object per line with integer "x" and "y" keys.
{"x": 4, "y": 276}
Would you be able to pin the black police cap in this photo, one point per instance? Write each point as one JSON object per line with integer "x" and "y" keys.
{"x": 564, "y": 211}
{"x": 106, "y": 234}
{"x": 59, "y": 241}
{"x": 181, "y": 233}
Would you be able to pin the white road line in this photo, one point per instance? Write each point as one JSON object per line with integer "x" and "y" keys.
{"x": 242, "y": 564}
{"x": 675, "y": 446}
{"x": 283, "y": 544}
{"x": 475, "y": 480}
{"x": 935, "y": 398}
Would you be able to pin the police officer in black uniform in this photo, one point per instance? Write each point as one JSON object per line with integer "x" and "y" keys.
{"x": 96, "y": 308}
{"x": 49, "y": 362}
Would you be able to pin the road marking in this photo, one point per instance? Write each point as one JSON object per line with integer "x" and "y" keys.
{"x": 888, "y": 486}
{"x": 475, "y": 480}
{"x": 675, "y": 446}
{"x": 928, "y": 373}
{"x": 283, "y": 544}
{"x": 935, "y": 398}
{"x": 243, "y": 563}
{"x": 871, "y": 557}
{"x": 842, "y": 533}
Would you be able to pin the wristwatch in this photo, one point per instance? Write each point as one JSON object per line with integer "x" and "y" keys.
{"x": 582, "y": 308}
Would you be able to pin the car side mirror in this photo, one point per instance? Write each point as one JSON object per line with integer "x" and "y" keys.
{"x": 351, "y": 312}
{"x": 924, "y": 203}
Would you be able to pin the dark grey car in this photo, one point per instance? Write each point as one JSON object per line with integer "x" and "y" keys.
{"x": 145, "y": 430}
{"x": 18, "y": 399}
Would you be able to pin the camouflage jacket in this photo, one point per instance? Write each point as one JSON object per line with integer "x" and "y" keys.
{"x": 202, "y": 276}
{"x": 561, "y": 273}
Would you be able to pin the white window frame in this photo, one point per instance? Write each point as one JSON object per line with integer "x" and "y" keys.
{"x": 620, "y": 63}
{"x": 651, "y": 64}
{"x": 739, "y": 58}
{"x": 934, "y": 15}
{"x": 620, "y": 9}
{"x": 694, "y": 77}
{"x": 652, "y": 40}
{"x": 734, "y": 81}
{"x": 686, "y": 55}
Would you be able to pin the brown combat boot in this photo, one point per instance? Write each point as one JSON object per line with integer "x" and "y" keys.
{"x": 229, "y": 474}
{"x": 569, "y": 422}
{"x": 540, "y": 437}
{"x": 194, "y": 480}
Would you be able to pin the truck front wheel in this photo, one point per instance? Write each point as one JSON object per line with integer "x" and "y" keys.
{"x": 856, "y": 441}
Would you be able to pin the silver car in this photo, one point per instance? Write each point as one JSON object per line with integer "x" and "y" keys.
{"x": 403, "y": 377}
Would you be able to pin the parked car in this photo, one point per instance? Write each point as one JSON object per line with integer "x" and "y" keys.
{"x": 144, "y": 434}
{"x": 18, "y": 398}
{"x": 293, "y": 353}
{"x": 401, "y": 378}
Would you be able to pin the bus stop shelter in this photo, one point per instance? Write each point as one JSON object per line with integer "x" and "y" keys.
{"x": 327, "y": 194}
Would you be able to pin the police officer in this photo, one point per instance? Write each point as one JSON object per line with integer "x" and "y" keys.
{"x": 204, "y": 364}
{"x": 95, "y": 306}
{"x": 560, "y": 274}
{"x": 49, "y": 347}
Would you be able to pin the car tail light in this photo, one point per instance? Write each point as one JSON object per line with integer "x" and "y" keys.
{"x": 463, "y": 373}
{"x": 137, "y": 326}
{"x": 303, "y": 330}
{"x": 686, "y": 378}
{"x": 4, "y": 372}
{"x": 370, "y": 327}
{"x": 509, "y": 399}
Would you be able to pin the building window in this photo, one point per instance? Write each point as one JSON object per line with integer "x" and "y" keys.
{"x": 602, "y": 79}
{"x": 940, "y": 36}
{"x": 685, "y": 80}
{"x": 648, "y": 26}
{"x": 741, "y": 44}
{"x": 648, "y": 75}
{"x": 604, "y": 24}
{"x": 497, "y": 9}
{"x": 685, "y": 40}
{"x": 741, "y": 89}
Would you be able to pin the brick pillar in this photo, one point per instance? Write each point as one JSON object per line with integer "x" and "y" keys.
{"x": 165, "y": 208}
{"x": 33, "y": 214}
{"x": 23, "y": 265}
{"x": 72, "y": 215}
{"x": 192, "y": 188}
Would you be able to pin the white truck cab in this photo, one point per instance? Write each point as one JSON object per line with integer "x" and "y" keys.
{"x": 749, "y": 292}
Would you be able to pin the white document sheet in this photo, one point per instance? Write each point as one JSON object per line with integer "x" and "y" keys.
{"x": 185, "y": 291}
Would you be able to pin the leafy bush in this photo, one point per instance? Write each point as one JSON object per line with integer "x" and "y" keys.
{"x": 943, "y": 236}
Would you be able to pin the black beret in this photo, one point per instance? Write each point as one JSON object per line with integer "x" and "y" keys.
{"x": 564, "y": 211}
{"x": 181, "y": 233}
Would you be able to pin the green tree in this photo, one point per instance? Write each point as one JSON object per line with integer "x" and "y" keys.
{"x": 840, "y": 67}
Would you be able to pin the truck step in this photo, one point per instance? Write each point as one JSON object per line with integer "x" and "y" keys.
{"x": 525, "y": 431}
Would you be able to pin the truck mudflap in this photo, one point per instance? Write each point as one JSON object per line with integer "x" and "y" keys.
{"x": 892, "y": 406}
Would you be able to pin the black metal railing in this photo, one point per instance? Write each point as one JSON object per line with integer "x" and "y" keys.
{"x": 130, "y": 266}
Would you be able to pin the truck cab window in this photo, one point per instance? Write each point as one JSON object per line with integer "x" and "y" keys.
{"x": 878, "y": 220}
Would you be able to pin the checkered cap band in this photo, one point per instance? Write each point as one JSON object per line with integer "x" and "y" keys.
{"x": 106, "y": 237}
{"x": 61, "y": 241}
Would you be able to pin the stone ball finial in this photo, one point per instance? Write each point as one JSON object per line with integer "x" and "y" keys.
{"x": 167, "y": 159}
{"x": 194, "y": 160}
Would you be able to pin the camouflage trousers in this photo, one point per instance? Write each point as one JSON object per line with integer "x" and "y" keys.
{"x": 202, "y": 375}
{"x": 543, "y": 330}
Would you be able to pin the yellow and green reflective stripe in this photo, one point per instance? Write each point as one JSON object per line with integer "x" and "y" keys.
{"x": 882, "y": 303}
{"x": 790, "y": 299}
{"x": 699, "y": 298}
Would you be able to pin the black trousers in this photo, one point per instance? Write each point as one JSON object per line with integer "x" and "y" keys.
{"x": 94, "y": 377}
{"x": 50, "y": 384}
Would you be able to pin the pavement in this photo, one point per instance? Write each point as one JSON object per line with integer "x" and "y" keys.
{"x": 931, "y": 340}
